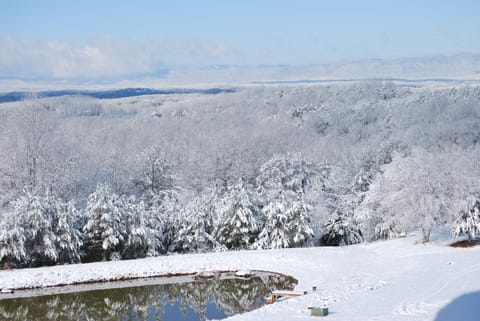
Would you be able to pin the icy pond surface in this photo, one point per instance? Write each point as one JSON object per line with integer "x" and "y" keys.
{"x": 189, "y": 298}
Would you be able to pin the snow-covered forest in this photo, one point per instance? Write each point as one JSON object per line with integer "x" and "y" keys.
{"x": 85, "y": 179}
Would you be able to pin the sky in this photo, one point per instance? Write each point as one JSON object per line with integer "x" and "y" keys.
{"x": 119, "y": 38}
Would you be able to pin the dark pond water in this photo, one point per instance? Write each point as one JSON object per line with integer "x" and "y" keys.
{"x": 194, "y": 300}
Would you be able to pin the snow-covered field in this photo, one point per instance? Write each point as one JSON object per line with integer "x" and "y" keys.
{"x": 390, "y": 280}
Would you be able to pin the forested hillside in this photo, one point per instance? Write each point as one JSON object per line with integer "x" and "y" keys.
{"x": 84, "y": 179}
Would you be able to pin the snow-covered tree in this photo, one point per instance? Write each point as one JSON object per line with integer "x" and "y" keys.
{"x": 274, "y": 233}
{"x": 35, "y": 217}
{"x": 68, "y": 238}
{"x": 299, "y": 221}
{"x": 197, "y": 226}
{"x": 34, "y": 130}
{"x": 63, "y": 218}
{"x": 104, "y": 229}
{"x": 386, "y": 231}
{"x": 138, "y": 234}
{"x": 12, "y": 242}
{"x": 154, "y": 223}
{"x": 285, "y": 172}
{"x": 155, "y": 171}
{"x": 372, "y": 161}
{"x": 237, "y": 217}
{"x": 43, "y": 228}
{"x": 468, "y": 222}
{"x": 161, "y": 213}
{"x": 417, "y": 191}
{"x": 286, "y": 212}
{"x": 376, "y": 223}
{"x": 341, "y": 228}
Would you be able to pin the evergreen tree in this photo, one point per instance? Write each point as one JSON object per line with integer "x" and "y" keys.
{"x": 285, "y": 172}
{"x": 154, "y": 223}
{"x": 161, "y": 214}
{"x": 12, "y": 242}
{"x": 237, "y": 212}
{"x": 341, "y": 228}
{"x": 282, "y": 185}
{"x": 168, "y": 208}
{"x": 299, "y": 221}
{"x": 286, "y": 222}
{"x": 196, "y": 231}
{"x": 35, "y": 217}
{"x": 274, "y": 233}
{"x": 137, "y": 231}
{"x": 68, "y": 238}
{"x": 104, "y": 229}
{"x": 469, "y": 221}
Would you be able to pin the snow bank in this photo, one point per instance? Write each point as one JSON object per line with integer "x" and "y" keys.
{"x": 393, "y": 280}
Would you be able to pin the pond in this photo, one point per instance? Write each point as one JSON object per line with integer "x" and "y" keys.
{"x": 179, "y": 298}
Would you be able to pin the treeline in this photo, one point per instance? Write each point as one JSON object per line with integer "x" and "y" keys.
{"x": 263, "y": 167}
{"x": 273, "y": 213}
{"x": 279, "y": 210}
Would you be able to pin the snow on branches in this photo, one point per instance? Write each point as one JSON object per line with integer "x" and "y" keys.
{"x": 468, "y": 222}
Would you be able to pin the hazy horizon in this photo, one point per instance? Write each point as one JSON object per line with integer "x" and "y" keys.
{"x": 111, "y": 41}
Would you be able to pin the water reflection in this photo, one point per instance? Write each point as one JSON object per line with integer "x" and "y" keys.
{"x": 199, "y": 300}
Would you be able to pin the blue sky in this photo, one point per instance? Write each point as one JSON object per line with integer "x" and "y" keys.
{"x": 68, "y": 39}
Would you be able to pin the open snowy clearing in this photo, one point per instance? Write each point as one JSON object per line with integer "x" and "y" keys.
{"x": 391, "y": 280}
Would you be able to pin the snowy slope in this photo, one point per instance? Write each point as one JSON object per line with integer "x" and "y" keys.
{"x": 391, "y": 280}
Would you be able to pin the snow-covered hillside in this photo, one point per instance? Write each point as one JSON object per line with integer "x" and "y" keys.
{"x": 388, "y": 280}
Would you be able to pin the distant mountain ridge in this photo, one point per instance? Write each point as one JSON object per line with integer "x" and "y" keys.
{"x": 435, "y": 68}
{"x": 110, "y": 94}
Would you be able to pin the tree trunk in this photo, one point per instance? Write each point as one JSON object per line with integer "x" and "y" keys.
{"x": 426, "y": 234}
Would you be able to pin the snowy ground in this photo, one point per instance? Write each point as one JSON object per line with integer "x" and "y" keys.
{"x": 391, "y": 280}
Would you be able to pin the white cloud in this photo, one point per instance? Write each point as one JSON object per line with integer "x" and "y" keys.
{"x": 104, "y": 57}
